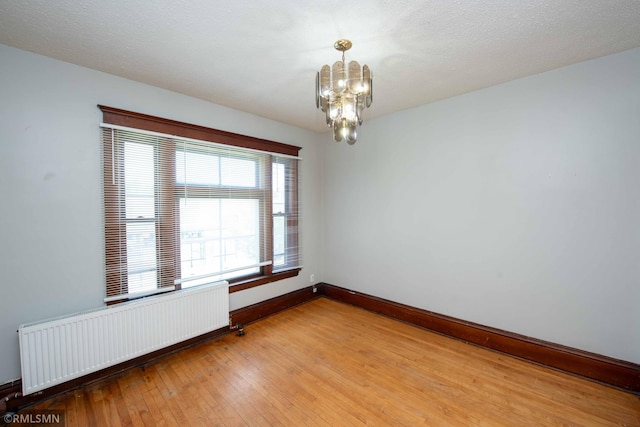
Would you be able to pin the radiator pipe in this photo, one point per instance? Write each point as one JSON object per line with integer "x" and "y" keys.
{"x": 240, "y": 329}
{"x": 12, "y": 396}
{"x": 7, "y": 398}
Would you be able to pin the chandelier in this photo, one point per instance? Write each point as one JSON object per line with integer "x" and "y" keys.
{"x": 342, "y": 93}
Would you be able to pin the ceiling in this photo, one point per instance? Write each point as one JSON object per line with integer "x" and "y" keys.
{"x": 261, "y": 58}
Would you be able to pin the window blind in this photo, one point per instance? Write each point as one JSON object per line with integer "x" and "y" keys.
{"x": 181, "y": 212}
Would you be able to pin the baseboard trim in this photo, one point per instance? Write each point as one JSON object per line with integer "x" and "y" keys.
{"x": 609, "y": 371}
{"x": 12, "y": 391}
{"x": 271, "y": 306}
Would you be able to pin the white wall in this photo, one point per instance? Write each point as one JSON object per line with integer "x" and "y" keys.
{"x": 51, "y": 237}
{"x": 515, "y": 207}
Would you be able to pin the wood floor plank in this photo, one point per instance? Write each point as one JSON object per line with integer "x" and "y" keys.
{"x": 131, "y": 391}
{"x": 309, "y": 389}
{"x": 165, "y": 412}
{"x": 78, "y": 408}
{"x": 370, "y": 386}
{"x": 265, "y": 377}
{"x": 177, "y": 403}
{"x": 70, "y": 410}
{"x": 325, "y": 363}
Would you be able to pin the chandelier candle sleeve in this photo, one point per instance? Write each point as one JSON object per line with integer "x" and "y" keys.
{"x": 342, "y": 93}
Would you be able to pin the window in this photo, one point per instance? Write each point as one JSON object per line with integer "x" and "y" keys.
{"x": 186, "y": 205}
{"x": 285, "y": 212}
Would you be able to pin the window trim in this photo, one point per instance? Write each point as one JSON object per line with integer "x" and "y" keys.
{"x": 119, "y": 117}
{"x": 116, "y": 116}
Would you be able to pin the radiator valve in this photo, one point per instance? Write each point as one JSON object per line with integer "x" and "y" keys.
{"x": 240, "y": 329}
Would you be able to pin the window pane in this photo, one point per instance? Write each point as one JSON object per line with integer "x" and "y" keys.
{"x": 138, "y": 180}
{"x": 278, "y": 188}
{"x": 238, "y": 172}
{"x": 218, "y": 235}
{"x": 199, "y": 236}
{"x": 141, "y": 256}
{"x": 278, "y": 240}
{"x": 197, "y": 168}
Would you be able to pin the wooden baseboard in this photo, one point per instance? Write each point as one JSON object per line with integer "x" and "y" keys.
{"x": 613, "y": 372}
{"x": 242, "y": 316}
{"x": 271, "y": 306}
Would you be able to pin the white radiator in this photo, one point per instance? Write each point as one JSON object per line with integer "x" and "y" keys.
{"x": 59, "y": 350}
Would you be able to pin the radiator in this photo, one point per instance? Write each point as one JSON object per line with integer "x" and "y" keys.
{"x": 59, "y": 350}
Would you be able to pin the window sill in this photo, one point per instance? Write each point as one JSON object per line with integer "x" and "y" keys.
{"x": 261, "y": 280}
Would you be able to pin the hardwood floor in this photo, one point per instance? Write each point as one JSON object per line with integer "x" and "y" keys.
{"x": 325, "y": 363}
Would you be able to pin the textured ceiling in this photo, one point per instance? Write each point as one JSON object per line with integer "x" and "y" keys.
{"x": 261, "y": 57}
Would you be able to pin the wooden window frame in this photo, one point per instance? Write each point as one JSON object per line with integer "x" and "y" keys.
{"x": 129, "y": 119}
